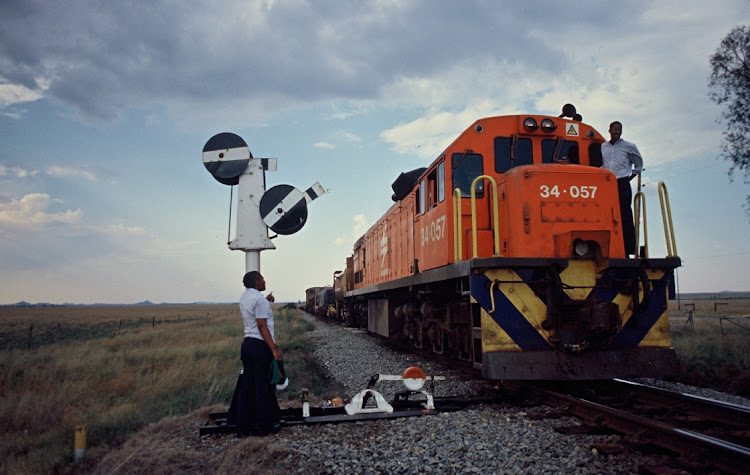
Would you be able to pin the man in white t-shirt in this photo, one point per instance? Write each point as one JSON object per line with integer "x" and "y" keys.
{"x": 258, "y": 411}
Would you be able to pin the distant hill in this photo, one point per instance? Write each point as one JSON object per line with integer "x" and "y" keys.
{"x": 721, "y": 295}
{"x": 27, "y": 304}
{"x": 139, "y": 304}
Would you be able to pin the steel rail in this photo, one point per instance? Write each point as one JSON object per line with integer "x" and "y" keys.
{"x": 731, "y": 415}
{"x": 726, "y": 456}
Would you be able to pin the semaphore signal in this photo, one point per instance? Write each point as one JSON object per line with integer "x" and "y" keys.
{"x": 283, "y": 208}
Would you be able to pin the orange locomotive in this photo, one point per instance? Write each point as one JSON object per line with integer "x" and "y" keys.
{"x": 507, "y": 252}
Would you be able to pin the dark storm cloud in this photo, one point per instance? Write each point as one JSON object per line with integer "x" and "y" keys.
{"x": 102, "y": 57}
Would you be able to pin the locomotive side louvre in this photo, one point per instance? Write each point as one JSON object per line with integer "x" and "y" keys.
{"x": 554, "y": 297}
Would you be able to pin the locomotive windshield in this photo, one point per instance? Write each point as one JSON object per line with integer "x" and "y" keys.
{"x": 466, "y": 167}
{"x": 505, "y": 159}
{"x": 568, "y": 150}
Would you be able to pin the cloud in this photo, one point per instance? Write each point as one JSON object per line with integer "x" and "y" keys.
{"x": 15, "y": 93}
{"x": 124, "y": 230}
{"x": 17, "y": 171}
{"x": 69, "y": 171}
{"x": 429, "y": 135}
{"x": 361, "y": 225}
{"x": 348, "y": 136}
{"x": 33, "y": 211}
{"x": 101, "y": 59}
{"x": 338, "y": 137}
{"x": 36, "y": 236}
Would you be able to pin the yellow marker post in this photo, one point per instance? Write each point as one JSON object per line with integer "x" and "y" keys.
{"x": 80, "y": 442}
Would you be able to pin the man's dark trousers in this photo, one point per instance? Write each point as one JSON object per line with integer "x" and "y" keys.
{"x": 626, "y": 214}
{"x": 257, "y": 408}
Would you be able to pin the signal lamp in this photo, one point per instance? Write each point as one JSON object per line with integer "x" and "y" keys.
{"x": 413, "y": 378}
{"x": 581, "y": 248}
{"x": 548, "y": 125}
{"x": 529, "y": 123}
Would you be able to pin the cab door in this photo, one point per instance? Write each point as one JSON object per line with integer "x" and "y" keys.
{"x": 431, "y": 235}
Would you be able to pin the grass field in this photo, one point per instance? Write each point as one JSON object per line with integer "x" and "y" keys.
{"x": 117, "y": 369}
{"x": 712, "y": 341}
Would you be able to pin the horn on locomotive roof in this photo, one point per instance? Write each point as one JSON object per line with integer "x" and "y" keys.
{"x": 568, "y": 110}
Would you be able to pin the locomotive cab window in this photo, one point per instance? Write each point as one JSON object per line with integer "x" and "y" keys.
{"x": 441, "y": 182}
{"x": 559, "y": 150}
{"x": 433, "y": 187}
{"x": 512, "y": 152}
{"x": 467, "y": 166}
{"x": 422, "y": 190}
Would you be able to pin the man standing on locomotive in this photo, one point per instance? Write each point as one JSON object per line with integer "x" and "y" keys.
{"x": 625, "y": 161}
{"x": 258, "y": 411}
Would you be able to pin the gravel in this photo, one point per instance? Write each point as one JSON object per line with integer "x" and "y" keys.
{"x": 484, "y": 439}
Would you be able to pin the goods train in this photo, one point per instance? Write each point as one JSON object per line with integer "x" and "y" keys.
{"x": 507, "y": 252}
{"x": 320, "y": 301}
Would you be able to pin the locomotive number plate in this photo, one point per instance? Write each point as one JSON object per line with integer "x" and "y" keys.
{"x": 573, "y": 191}
{"x": 434, "y": 231}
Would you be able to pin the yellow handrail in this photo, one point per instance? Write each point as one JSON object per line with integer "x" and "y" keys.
{"x": 458, "y": 245}
{"x": 666, "y": 216}
{"x": 494, "y": 210}
{"x": 640, "y": 197}
{"x": 492, "y": 295}
{"x": 639, "y": 201}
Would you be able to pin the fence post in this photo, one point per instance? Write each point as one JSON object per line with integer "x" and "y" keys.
{"x": 31, "y": 335}
{"x": 690, "y": 320}
{"x": 80, "y": 442}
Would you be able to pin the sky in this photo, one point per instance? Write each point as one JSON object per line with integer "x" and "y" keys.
{"x": 105, "y": 108}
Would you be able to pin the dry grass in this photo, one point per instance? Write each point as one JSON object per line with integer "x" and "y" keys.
{"x": 713, "y": 347}
{"x": 171, "y": 446}
{"x": 116, "y": 379}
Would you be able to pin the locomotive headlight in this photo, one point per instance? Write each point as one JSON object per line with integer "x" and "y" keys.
{"x": 581, "y": 248}
{"x": 529, "y": 123}
{"x": 548, "y": 125}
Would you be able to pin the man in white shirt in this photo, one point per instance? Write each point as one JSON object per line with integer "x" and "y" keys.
{"x": 258, "y": 411}
{"x": 625, "y": 161}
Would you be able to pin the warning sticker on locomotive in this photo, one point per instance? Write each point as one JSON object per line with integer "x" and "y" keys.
{"x": 571, "y": 129}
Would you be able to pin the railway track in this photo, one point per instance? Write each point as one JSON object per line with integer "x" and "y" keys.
{"x": 706, "y": 434}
